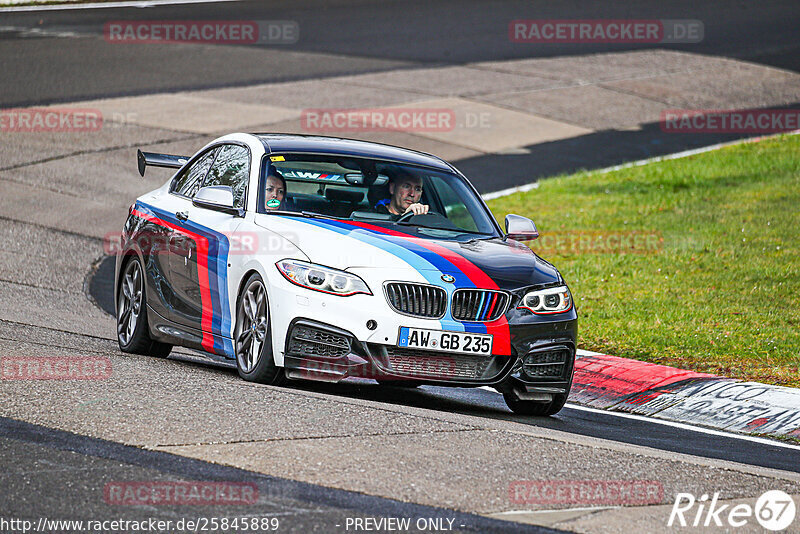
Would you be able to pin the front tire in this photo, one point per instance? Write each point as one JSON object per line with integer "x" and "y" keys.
{"x": 253, "y": 335}
{"x": 406, "y": 384}
{"x": 133, "y": 333}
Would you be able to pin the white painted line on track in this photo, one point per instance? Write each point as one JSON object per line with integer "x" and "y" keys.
{"x": 582, "y": 352}
{"x": 39, "y": 32}
{"x": 675, "y": 424}
{"x": 510, "y": 191}
{"x": 639, "y": 163}
{"x": 685, "y": 426}
{"x": 107, "y": 5}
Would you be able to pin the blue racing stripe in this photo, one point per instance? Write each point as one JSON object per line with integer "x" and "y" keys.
{"x": 226, "y": 322}
{"x": 429, "y": 264}
{"x": 485, "y": 310}
{"x": 421, "y": 264}
{"x": 218, "y": 248}
{"x": 442, "y": 264}
{"x": 480, "y": 306}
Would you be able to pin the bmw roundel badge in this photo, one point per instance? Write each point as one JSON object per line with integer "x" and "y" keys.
{"x": 447, "y": 278}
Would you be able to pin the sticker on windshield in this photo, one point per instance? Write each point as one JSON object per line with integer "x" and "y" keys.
{"x": 277, "y": 158}
{"x": 309, "y": 175}
{"x": 273, "y": 203}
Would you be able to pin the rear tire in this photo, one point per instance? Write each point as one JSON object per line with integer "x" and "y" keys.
{"x": 253, "y": 336}
{"x": 133, "y": 333}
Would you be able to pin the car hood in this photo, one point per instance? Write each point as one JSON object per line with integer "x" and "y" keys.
{"x": 486, "y": 263}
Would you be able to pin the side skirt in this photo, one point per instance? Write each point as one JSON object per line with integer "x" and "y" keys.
{"x": 162, "y": 329}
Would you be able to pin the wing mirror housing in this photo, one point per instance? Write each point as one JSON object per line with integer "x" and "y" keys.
{"x": 520, "y": 228}
{"x": 217, "y": 198}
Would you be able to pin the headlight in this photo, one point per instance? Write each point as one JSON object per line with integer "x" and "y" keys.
{"x": 319, "y": 278}
{"x": 551, "y": 300}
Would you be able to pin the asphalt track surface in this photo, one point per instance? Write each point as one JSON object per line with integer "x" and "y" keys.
{"x": 62, "y": 56}
{"x": 345, "y": 37}
{"x": 483, "y": 403}
{"x": 66, "y": 469}
{"x": 66, "y": 472}
{"x": 479, "y": 402}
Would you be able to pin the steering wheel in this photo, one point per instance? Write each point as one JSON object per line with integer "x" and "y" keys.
{"x": 410, "y": 214}
{"x": 406, "y": 216}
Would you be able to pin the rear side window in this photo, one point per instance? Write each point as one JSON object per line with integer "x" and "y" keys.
{"x": 190, "y": 180}
{"x": 231, "y": 168}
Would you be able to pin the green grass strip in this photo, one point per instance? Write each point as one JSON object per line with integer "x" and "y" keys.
{"x": 691, "y": 262}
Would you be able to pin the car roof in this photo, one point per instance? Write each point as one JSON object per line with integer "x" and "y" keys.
{"x": 318, "y": 144}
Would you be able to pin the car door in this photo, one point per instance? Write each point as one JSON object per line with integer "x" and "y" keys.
{"x": 199, "y": 262}
{"x": 159, "y": 210}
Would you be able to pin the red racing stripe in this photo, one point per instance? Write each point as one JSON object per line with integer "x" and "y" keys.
{"x": 491, "y": 306}
{"x": 202, "y": 275}
{"x": 498, "y": 328}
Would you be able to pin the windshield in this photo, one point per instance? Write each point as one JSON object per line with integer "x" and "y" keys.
{"x": 375, "y": 191}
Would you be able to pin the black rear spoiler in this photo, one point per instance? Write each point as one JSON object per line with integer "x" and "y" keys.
{"x": 143, "y": 159}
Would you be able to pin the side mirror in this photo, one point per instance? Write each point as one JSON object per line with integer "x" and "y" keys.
{"x": 218, "y": 198}
{"x": 520, "y": 228}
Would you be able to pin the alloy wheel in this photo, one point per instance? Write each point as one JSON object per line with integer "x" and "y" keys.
{"x": 251, "y": 326}
{"x": 130, "y": 302}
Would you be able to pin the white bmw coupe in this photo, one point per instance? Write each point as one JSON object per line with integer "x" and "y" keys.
{"x": 321, "y": 258}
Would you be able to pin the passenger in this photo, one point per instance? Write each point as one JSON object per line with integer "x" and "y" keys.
{"x": 405, "y": 191}
{"x": 274, "y": 190}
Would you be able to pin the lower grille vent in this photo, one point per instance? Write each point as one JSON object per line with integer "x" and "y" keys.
{"x": 307, "y": 341}
{"x": 442, "y": 366}
{"x": 546, "y": 363}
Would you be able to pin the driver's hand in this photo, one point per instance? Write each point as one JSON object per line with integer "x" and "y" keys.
{"x": 418, "y": 209}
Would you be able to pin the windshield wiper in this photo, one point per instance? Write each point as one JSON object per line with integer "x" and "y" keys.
{"x": 306, "y": 214}
{"x": 315, "y": 214}
{"x": 455, "y": 230}
{"x": 283, "y": 212}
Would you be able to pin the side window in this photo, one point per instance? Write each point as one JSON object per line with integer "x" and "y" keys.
{"x": 232, "y": 168}
{"x": 189, "y": 182}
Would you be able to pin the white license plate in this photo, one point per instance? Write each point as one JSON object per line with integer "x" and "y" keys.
{"x": 463, "y": 342}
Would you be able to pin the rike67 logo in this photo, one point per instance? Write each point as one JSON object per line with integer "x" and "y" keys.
{"x": 774, "y": 510}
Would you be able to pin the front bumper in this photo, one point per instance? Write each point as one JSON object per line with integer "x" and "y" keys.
{"x": 541, "y": 361}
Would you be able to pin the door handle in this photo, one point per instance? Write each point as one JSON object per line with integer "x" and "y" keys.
{"x": 182, "y": 215}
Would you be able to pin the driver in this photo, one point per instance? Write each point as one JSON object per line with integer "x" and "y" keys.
{"x": 405, "y": 190}
{"x": 274, "y": 190}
